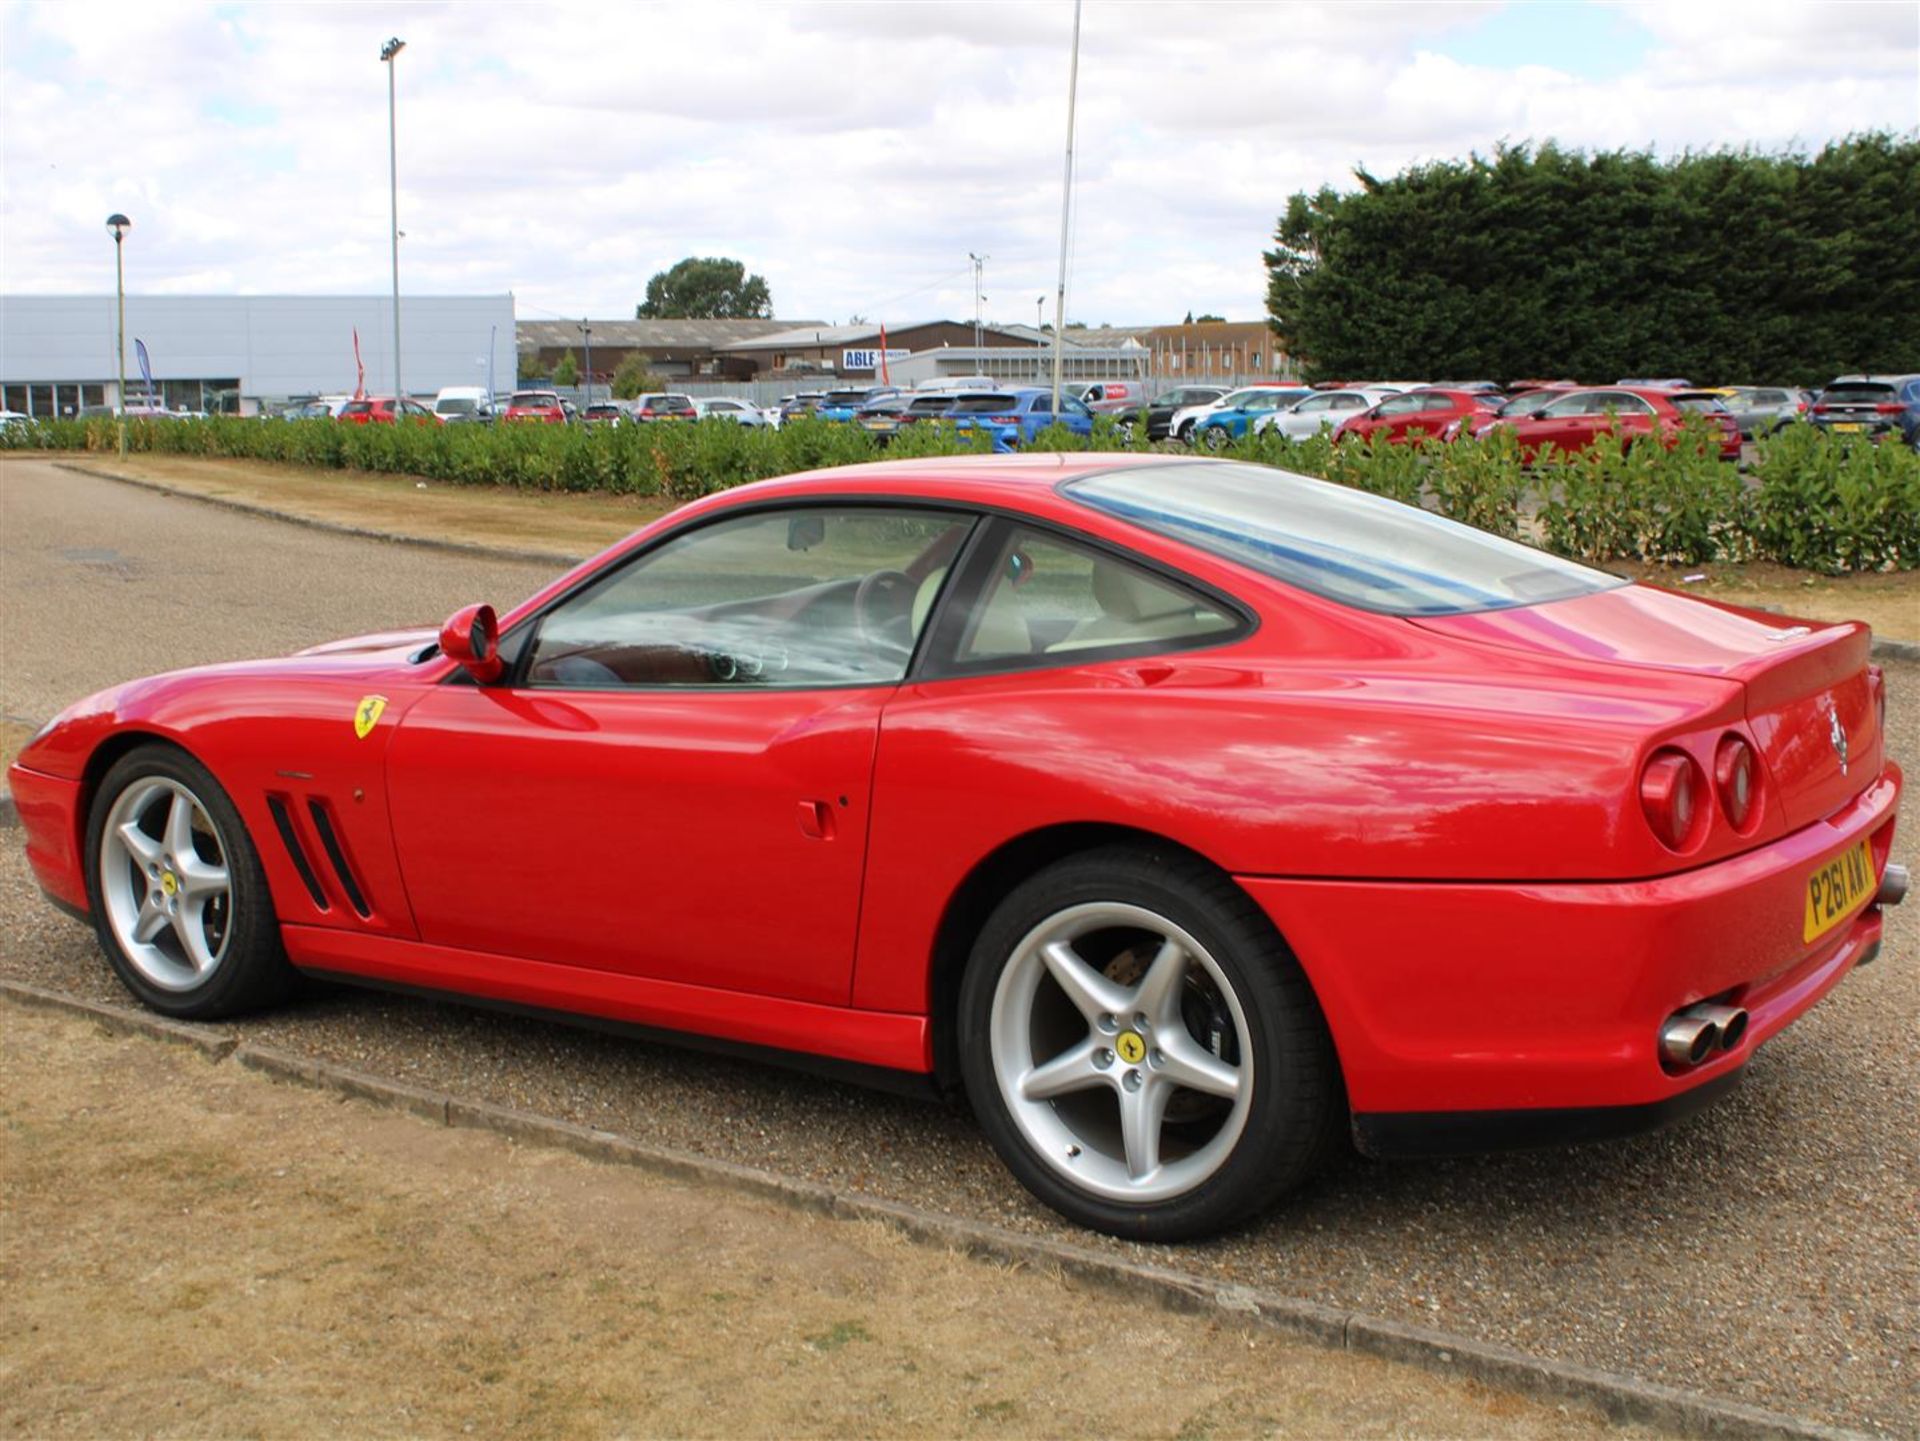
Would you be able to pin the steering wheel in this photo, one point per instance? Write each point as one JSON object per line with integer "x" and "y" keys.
{"x": 883, "y": 610}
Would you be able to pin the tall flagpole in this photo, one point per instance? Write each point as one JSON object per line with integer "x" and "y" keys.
{"x": 1066, "y": 210}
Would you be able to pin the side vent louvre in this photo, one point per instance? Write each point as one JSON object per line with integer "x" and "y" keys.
{"x": 297, "y": 853}
{"x": 323, "y": 823}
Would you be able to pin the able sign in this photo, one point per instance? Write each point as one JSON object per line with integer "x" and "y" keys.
{"x": 869, "y": 359}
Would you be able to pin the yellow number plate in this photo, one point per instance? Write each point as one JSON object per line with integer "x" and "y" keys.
{"x": 1837, "y": 888}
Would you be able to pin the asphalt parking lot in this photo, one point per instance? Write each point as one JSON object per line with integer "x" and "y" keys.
{"x": 1766, "y": 1251}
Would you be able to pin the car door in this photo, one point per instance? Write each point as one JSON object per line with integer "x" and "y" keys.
{"x": 1075, "y": 416}
{"x": 1568, "y": 424}
{"x": 1433, "y": 416}
{"x": 673, "y": 779}
{"x": 1389, "y": 419}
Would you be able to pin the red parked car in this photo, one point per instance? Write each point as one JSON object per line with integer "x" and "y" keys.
{"x": 540, "y": 406}
{"x": 1184, "y": 814}
{"x": 1416, "y": 415}
{"x": 378, "y": 410}
{"x": 1579, "y": 418}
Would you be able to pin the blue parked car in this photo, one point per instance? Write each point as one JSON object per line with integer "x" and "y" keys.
{"x": 1235, "y": 414}
{"x": 1013, "y": 417}
{"x": 845, "y": 404}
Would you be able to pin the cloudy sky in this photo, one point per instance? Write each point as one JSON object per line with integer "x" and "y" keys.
{"x": 853, "y": 153}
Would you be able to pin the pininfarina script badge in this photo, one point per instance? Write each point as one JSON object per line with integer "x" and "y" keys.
{"x": 1837, "y": 733}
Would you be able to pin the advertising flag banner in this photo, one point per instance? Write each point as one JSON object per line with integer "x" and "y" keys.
{"x": 359, "y": 370}
{"x": 146, "y": 369}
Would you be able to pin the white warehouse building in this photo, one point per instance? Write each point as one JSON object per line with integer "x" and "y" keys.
{"x": 236, "y": 353}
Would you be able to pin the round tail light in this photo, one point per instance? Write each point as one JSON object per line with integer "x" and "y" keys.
{"x": 1734, "y": 776}
{"x": 1670, "y": 794}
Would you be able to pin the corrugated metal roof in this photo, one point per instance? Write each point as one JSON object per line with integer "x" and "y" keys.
{"x": 646, "y": 334}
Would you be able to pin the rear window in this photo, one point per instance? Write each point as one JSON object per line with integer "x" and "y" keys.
{"x": 1867, "y": 390}
{"x": 357, "y": 407}
{"x": 530, "y": 398}
{"x": 982, "y": 404}
{"x": 1699, "y": 404}
{"x": 1346, "y": 545}
{"x": 932, "y": 403}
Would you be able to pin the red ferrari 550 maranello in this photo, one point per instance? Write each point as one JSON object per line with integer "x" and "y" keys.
{"x": 1182, "y": 813}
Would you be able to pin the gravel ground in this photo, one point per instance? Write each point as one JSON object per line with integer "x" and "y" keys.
{"x": 1765, "y": 1251}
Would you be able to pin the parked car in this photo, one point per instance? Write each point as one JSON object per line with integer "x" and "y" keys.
{"x": 1183, "y": 815}
{"x": 540, "y": 407}
{"x": 1112, "y": 397}
{"x": 12, "y": 418}
{"x": 1416, "y": 415}
{"x": 1164, "y": 406}
{"x": 804, "y": 403}
{"x": 606, "y": 412}
{"x": 1578, "y": 419}
{"x": 1873, "y": 405}
{"x": 463, "y": 404}
{"x": 840, "y": 406}
{"x": 1180, "y": 426}
{"x": 728, "y": 407}
{"x": 664, "y": 405}
{"x": 1222, "y": 423}
{"x": 1537, "y": 397}
{"x": 380, "y": 410}
{"x": 1762, "y": 409}
{"x": 1323, "y": 410}
{"x": 1014, "y": 416}
{"x": 884, "y": 418}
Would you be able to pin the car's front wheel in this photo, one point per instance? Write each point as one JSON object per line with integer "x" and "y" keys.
{"x": 1141, "y": 1048}
{"x": 1218, "y": 437}
{"x": 179, "y": 900}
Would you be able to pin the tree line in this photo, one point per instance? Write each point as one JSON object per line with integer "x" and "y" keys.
{"x": 1723, "y": 267}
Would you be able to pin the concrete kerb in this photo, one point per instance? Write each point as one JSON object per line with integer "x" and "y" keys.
{"x": 1622, "y": 1399}
{"x": 333, "y": 527}
{"x": 1881, "y": 649}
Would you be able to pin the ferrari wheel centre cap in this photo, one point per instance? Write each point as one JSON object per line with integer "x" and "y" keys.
{"x": 169, "y": 882}
{"x": 1130, "y": 1048}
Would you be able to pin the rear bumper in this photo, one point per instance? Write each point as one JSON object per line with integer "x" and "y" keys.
{"x": 1446, "y": 998}
{"x": 49, "y": 809}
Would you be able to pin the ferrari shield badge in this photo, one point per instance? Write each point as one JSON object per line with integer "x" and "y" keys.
{"x": 367, "y": 714}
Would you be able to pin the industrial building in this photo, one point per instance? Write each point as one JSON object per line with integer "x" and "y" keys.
{"x": 58, "y": 353}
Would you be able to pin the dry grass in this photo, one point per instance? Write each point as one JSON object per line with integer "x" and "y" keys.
{"x": 560, "y": 525}
{"x": 191, "y": 1248}
{"x": 1889, "y": 601}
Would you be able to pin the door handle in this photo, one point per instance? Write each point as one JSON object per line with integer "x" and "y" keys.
{"x": 816, "y": 820}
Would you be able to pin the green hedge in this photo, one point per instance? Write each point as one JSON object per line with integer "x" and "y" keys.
{"x": 1811, "y": 500}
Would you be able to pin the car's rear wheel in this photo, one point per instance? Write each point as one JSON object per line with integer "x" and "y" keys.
{"x": 1141, "y": 1048}
{"x": 179, "y": 900}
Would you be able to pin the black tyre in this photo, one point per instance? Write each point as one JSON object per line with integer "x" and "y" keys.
{"x": 179, "y": 900}
{"x": 1142, "y": 1049}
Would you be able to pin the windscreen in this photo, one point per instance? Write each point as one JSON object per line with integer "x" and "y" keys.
{"x": 1347, "y": 545}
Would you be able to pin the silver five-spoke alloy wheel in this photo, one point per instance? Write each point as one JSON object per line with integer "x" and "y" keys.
{"x": 165, "y": 883}
{"x": 1121, "y": 1052}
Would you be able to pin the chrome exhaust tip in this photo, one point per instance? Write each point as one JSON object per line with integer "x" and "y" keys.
{"x": 1894, "y": 882}
{"x": 1731, "y": 1022}
{"x": 1687, "y": 1039}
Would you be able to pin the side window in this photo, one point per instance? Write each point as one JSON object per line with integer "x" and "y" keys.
{"x": 1050, "y": 596}
{"x": 1317, "y": 404}
{"x": 1043, "y": 405}
{"x": 1436, "y": 402}
{"x": 795, "y": 598}
{"x": 1399, "y": 405}
{"x": 1070, "y": 406}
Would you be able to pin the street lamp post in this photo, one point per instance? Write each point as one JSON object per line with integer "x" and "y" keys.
{"x": 118, "y": 225}
{"x": 387, "y": 53}
{"x": 586, "y": 336}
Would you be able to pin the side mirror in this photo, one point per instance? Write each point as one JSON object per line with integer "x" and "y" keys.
{"x": 472, "y": 637}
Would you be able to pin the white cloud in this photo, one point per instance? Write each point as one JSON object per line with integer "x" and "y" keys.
{"x": 851, "y": 153}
